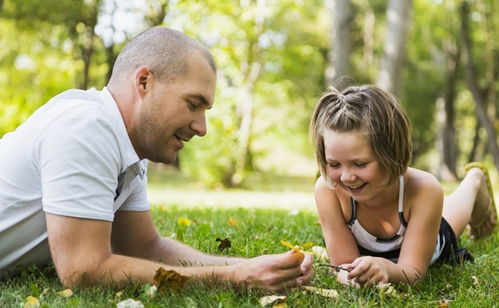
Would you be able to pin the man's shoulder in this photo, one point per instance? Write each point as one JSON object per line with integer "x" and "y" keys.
{"x": 77, "y": 95}
{"x": 75, "y": 98}
{"x": 81, "y": 106}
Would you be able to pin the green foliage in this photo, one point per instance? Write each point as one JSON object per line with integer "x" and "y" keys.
{"x": 45, "y": 43}
{"x": 32, "y": 70}
{"x": 289, "y": 48}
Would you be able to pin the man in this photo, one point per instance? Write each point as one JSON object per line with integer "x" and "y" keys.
{"x": 72, "y": 177}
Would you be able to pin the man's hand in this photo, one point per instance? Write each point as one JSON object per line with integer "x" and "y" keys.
{"x": 275, "y": 272}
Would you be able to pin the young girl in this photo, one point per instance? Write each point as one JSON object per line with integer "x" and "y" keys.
{"x": 382, "y": 221}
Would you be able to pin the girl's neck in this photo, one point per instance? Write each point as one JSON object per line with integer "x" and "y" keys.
{"x": 387, "y": 196}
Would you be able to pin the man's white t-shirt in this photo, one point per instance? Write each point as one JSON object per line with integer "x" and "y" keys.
{"x": 72, "y": 157}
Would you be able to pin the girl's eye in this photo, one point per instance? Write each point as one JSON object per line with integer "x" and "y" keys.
{"x": 360, "y": 164}
{"x": 334, "y": 165}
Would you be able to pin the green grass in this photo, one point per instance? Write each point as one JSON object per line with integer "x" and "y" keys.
{"x": 268, "y": 210}
{"x": 259, "y": 232}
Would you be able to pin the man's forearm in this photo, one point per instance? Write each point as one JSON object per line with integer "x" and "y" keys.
{"x": 171, "y": 252}
{"x": 118, "y": 270}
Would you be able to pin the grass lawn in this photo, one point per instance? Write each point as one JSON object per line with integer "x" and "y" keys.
{"x": 258, "y": 230}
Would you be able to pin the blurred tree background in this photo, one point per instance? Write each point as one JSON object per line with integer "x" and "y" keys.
{"x": 275, "y": 59}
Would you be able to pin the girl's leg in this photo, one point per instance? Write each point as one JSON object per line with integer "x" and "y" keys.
{"x": 469, "y": 203}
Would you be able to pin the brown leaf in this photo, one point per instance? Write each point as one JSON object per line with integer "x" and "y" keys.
{"x": 224, "y": 244}
{"x": 169, "y": 280}
{"x": 443, "y": 303}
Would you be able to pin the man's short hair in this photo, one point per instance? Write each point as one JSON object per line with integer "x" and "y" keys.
{"x": 163, "y": 49}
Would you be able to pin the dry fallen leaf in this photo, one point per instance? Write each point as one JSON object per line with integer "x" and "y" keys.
{"x": 297, "y": 252}
{"x": 320, "y": 253}
{"x": 232, "y": 222}
{"x": 130, "y": 303}
{"x": 287, "y": 244}
{"x": 169, "y": 280}
{"x": 307, "y": 245}
{"x": 475, "y": 280}
{"x": 151, "y": 291}
{"x": 443, "y": 303}
{"x": 387, "y": 289}
{"x": 66, "y": 293}
{"x": 323, "y": 292}
{"x": 224, "y": 244}
{"x": 31, "y": 302}
{"x": 271, "y": 299}
{"x": 118, "y": 295}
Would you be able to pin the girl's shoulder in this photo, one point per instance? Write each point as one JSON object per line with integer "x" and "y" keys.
{"x": 422, "y": 186}
{"x": 420, "y": 180}
{"x": 323, "y": 188}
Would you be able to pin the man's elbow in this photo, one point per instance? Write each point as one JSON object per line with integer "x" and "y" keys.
{"x": 83, "y": 274}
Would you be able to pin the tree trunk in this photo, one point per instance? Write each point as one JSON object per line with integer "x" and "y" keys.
{"x": 472, "y": 156}
{"x": 450, "y": 150}
{"x": 398, "y": 19}
{"x": 342, "y": 12}
{"x": 87, "y": 47}
{"x": 245, "y": 108}
{"x": 368, "y": 38}
{"x": 87, "y": 50}
{"x": 471, "y": 78}
{"x": 111, "y": 54}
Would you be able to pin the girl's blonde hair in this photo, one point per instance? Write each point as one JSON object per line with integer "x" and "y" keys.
{"x": 372, "y": 111}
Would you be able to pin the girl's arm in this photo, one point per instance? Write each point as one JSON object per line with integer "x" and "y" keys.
{"x": 422, "y": 230}
{"x": 340, "y": 244}
{"x": 419, "y": 241}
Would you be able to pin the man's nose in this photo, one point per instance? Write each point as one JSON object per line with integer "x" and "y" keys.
{"x": 199, "y": 125}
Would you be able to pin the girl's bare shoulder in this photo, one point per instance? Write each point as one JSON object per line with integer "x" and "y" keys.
{"x": 421, "y": 184}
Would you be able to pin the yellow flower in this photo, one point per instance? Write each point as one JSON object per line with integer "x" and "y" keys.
{"x": 182, "y": 221}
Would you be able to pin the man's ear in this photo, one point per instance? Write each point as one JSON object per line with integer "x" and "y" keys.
{"x": 142, "y": 79}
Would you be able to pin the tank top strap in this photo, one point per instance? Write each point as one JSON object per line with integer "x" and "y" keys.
{"x": 401, "y": 201}
{"x": 353, "y": 205}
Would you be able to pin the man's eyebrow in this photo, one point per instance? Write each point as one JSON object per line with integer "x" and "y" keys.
{"x": 200, "y": 98}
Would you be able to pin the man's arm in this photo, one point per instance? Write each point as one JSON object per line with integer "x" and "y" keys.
{"x": 145, "y": 242}
{"x": 81, "y": 251}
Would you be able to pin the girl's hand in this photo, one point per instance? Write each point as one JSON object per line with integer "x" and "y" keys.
{"x": 369, "y": 270}
{"x": 342, "y": 277}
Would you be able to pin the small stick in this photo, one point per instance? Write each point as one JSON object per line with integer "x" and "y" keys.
{"x": 336, "y": 268}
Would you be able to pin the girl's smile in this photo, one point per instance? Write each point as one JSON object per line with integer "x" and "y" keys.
{"x": 351, "y": 164}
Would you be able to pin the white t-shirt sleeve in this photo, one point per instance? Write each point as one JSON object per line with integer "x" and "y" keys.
{"x": 79, "y": 161}
{"x": 137, "y": 201}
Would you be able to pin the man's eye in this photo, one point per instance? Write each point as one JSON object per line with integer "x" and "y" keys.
{"x": 192, "y": 105}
